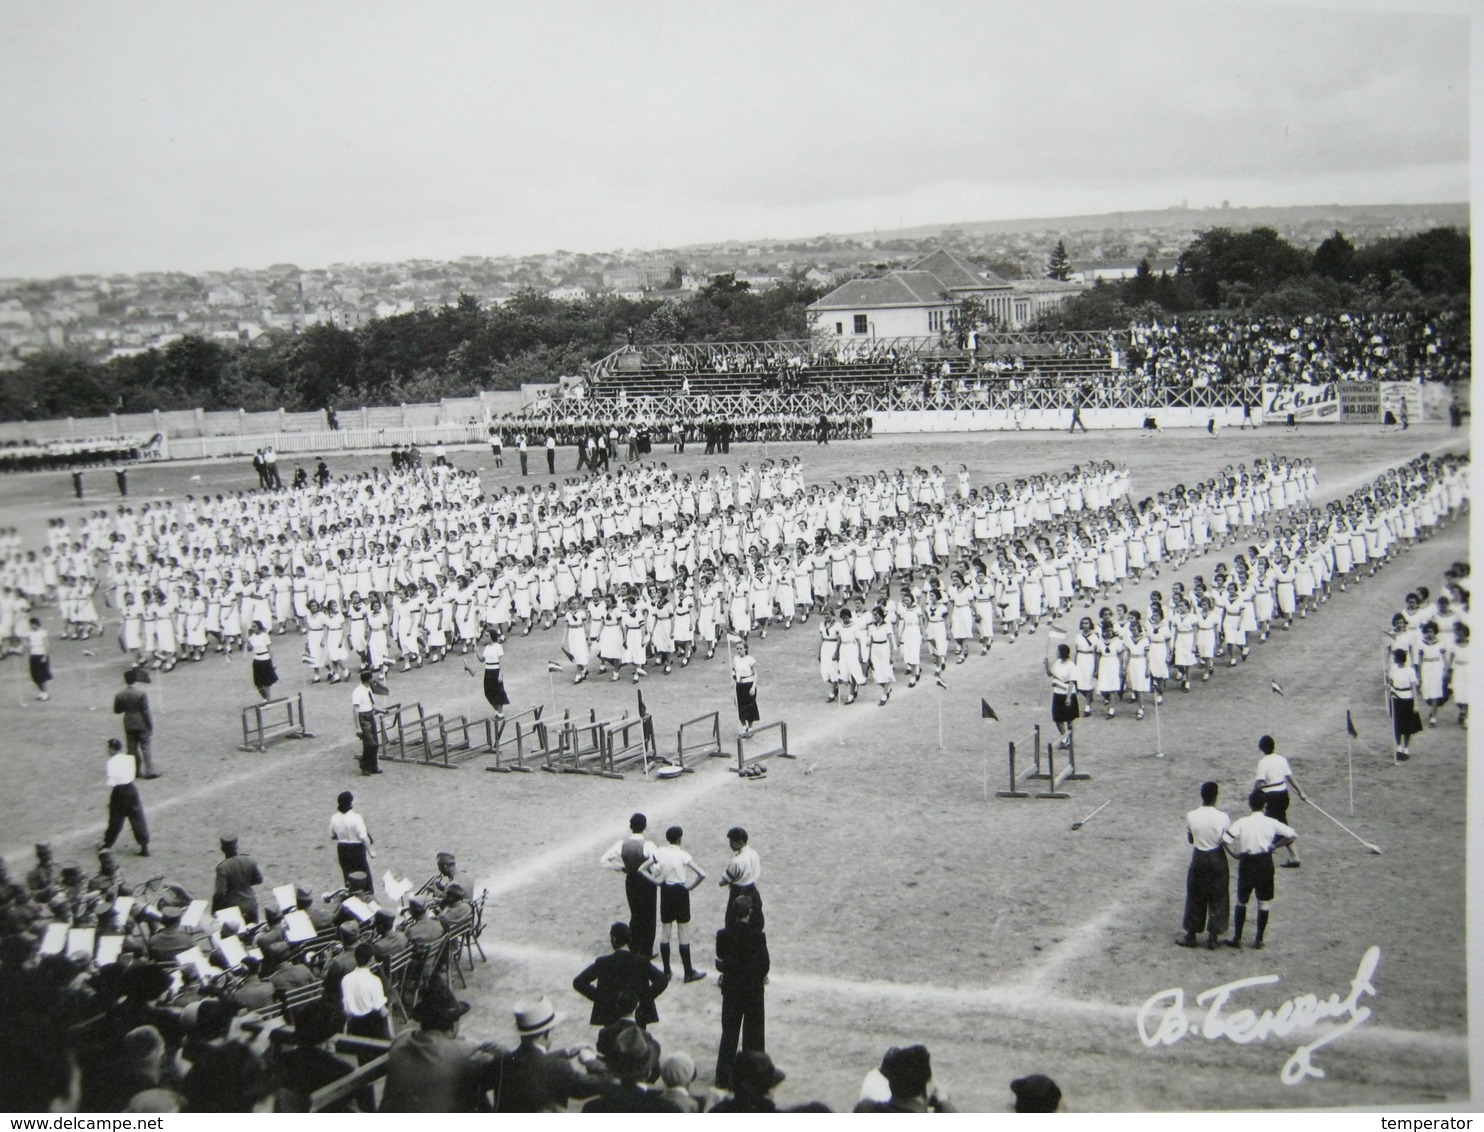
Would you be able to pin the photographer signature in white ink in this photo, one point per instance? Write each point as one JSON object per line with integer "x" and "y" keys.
{"x": 1163, "y": 1021}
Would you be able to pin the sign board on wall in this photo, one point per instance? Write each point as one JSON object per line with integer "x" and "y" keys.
{"x": 1360, "y": 400}
{"x": 1308, "y": 404}
{"x": 1409, "y": 393}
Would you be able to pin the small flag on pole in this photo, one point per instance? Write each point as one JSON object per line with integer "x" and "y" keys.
{"x": 1350, "y": 726}
{"x": 553, "y": 666}
{"x": 1277, "y": 687}
{"x": 469, "y": 670}
{"x": 1056, "y": 633}
{"x": 985, "y": 711}
{"x": 566, "y": 652}
{"x": 938, "y": 680}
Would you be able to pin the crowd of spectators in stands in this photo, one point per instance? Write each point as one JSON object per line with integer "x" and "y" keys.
{"x": 1385, "y": 346}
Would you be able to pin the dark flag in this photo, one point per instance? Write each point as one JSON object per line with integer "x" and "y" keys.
{"x": 1350, "y": 726}
{"x": 985, "y": 711}
{"x": 648, "y": 725}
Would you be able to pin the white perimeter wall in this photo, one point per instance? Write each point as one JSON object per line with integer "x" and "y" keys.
{"x": 1002, "y": 420}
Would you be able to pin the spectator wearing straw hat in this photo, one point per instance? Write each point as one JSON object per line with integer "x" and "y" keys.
{"x": 432, "y": 1069}
{"x": 536, "y": 1078}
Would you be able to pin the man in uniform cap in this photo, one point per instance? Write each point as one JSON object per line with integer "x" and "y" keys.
{"x": 235, "y": 876}
{"x": 42, "y": 879}
{"x": 320, "y": 914}
{"x": 389, "y": 942}
{"x": 456, "y": 912}
{"x": 448, "y": 873}
{"x": 171, "y": 939}
{"x": 424, "y": 932}
{"x": 109, "y": 880}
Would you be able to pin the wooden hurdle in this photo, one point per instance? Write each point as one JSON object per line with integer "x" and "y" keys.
{"x": 620, "y": 748}
{"x": 708, "y": 726}
{"x": 258, "y": 731}
{"x": 583, "y": 746}
{"x": 1069, "y": 773}
{"x": 744, "y": 760}
{"x": 1033, "y": 771}
{"x": 512, "y": 738}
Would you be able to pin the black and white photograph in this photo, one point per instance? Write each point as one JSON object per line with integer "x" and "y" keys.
{"x": 772, "y": 557}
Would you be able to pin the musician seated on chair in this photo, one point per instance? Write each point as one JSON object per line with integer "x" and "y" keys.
{"x": 389, "y": 942}
{"x": 456, "y": 913}
{"x": 448, "y": 873}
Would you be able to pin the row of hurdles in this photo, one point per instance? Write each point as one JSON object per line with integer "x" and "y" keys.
{"x": 528, "y": 741}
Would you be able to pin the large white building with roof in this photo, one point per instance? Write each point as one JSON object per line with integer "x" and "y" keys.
{"x": 920, "y": 300}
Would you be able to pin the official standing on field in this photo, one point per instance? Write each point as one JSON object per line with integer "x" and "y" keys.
{"x": 633, "y": 856}
{"x": 123, "y": 799}
{"x": 1208, "y": 880}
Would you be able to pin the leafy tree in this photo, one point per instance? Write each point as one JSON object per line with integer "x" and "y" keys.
{"x": 1141, "y": 288}
{"x": 1220, "y": 258}
{"x": 1335, "y": 257}
{"x": 1059, "y": 264}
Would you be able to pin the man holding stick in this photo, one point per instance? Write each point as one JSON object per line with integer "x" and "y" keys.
{"x": 1274, "y": 778}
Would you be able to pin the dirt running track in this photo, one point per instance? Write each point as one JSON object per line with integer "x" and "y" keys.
{"x": 903, "y": 904}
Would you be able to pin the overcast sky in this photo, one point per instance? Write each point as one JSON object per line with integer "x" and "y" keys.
{"x": 193, "y": 135}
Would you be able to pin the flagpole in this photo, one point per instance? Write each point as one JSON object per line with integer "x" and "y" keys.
{"x": 1350, "y": 766}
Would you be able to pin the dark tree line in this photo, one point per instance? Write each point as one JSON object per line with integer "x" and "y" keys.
{"x": 453, "y": 351}
{"x": 1261, "y": 273}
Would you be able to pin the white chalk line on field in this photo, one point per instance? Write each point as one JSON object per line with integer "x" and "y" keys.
{"x": 263, "y": 765}
{"x": 1016, "y": 998}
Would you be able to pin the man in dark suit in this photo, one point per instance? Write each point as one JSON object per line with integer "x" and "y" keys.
{"x": 742, "y": 959}
{"x": 622, "y": 970}
{"x": 536, "y": 1078}
{"x": 139, "y": 727}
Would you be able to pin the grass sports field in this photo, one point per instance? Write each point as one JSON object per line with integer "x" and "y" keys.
{"x": 904, "y": 902}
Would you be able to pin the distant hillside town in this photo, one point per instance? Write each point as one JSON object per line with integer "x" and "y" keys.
{"x": 99, "y": 318}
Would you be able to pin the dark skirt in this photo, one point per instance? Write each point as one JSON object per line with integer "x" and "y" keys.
{"x": 41, "y": 670}
{"x": 264, "y": 675}
{"x": 1064, "y": 708}
{"x": 1404, "y": 718}
{"x": 494, "y": 688}
{"x": 747, "y": 703}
